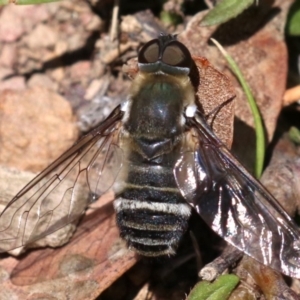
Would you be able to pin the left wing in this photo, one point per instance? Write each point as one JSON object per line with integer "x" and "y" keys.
{"x": 235, "y": 205}
{"x": 59, "y": 195}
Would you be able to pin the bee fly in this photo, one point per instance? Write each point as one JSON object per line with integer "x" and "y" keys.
{"x": 162, "y": 159}
{"x": 151, "y": 211}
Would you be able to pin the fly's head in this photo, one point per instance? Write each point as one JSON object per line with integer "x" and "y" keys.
{"x": 165, "y": 55}
{"x": 164, "y": 65}
{"x": 167, "y": 60}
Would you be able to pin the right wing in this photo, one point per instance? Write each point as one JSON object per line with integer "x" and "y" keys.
{"x": 59, "y": 194}
{"x": 235, "y": 205}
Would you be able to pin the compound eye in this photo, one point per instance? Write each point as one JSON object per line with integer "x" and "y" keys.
{"x": 176, "y": 54}
{"x": 149, "y": 52}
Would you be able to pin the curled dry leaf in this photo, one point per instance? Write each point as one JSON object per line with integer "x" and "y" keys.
{"x": 256, "y": 41}
{"x": 216, "y": 98}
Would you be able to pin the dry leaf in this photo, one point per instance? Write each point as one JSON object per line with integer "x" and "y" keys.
{"x": 215, "y": 95}
{"x": 88, "y": 264}
{"x": 255, "y": 39}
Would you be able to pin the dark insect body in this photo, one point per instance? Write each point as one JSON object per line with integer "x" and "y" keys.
{"x": 162, "y": 159}
{"x": 151, "y": 212}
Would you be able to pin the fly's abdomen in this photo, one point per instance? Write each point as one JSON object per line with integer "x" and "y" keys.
{"x": 151, "y": 213}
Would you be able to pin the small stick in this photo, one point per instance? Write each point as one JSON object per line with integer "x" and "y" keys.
{"x": 114, "y": 21}
{"x": 229, "y": 256}
{"x": 291, "y": 95}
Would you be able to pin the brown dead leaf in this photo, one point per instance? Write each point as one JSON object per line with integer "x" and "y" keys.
{"x": 215, "y": 96}
{"x": 82, "y": 269}
{"x": 264, "y": 54}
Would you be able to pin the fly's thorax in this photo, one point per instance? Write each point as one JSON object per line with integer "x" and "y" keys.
{"x": 157, "y": 103}
{"x": 154, "y": 118}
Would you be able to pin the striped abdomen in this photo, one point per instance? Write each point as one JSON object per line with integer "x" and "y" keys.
{"x": 151, "y": 213}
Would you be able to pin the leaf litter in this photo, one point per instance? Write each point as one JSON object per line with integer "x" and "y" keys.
{"x": 64, "y": 47}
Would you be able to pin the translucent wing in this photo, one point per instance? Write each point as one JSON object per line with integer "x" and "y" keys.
{"x": 59, "y": 195}
{"x": 235, "y": 205}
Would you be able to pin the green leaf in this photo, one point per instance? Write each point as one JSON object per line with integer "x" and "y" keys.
{"x": 218, "y": 290}
{"x": 293, "y": 22}
{"x": 294, "y": 134}
{"x": 169, "y": 18}
{"x": 258, "y": 122}
{"x": 224, "y": 11}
